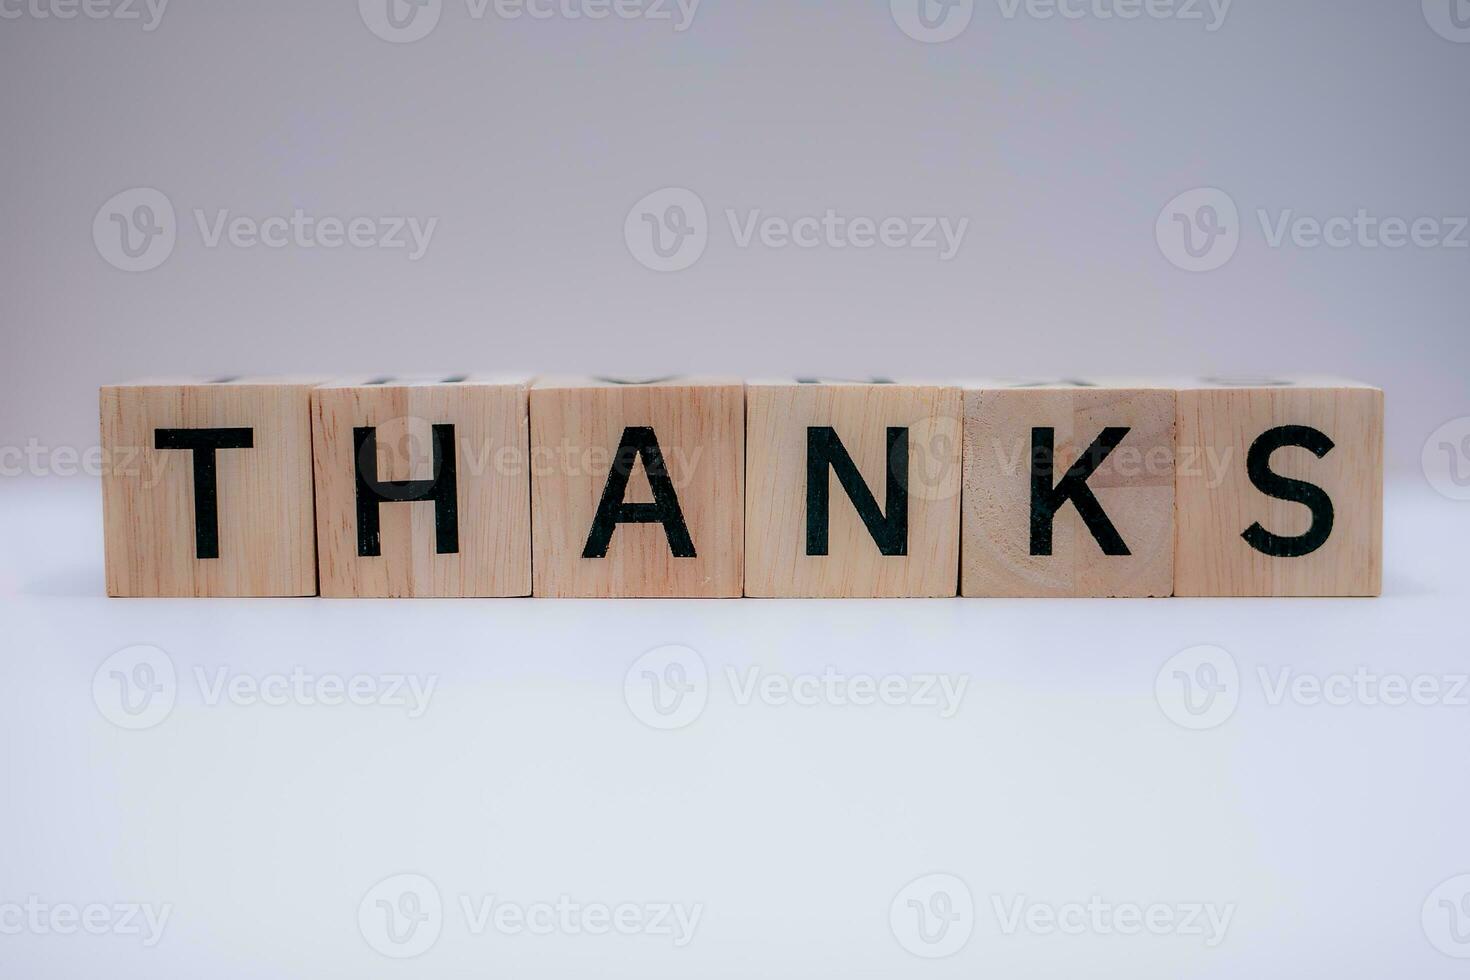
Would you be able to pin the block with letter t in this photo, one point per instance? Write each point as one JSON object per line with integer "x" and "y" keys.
{"x": 637, "y": 486}
{"x": 1280, "y": 488}
{"x": 207, "y": 489}
{"x": 853, "y": 489}
{"x": 1069, "y": 489}
{"x": 422, "y": 488}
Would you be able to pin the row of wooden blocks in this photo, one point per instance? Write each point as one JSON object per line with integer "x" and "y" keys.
{"x": 690, "y": 487}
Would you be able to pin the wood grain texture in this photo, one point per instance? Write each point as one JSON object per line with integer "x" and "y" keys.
{"x": 492, "y": 488}
{"x": 266, "y": 546}
{"x": 1134, "y": 484}
{"x": 1217, "y": 501}
{"x": 576, "y": 428}
{"x": 778, "y": 416}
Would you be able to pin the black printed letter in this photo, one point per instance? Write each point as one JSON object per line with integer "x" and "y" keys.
{"x": 824, "y": 449}
{"x": 1046, "y": 499}
{"x": 203, "y": 443}
{"x": 1258, "y": 467}
{"x": 371, "y": 492}
{"x": 641, "y": 443}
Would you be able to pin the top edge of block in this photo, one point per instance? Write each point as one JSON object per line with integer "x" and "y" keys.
{"x": 1271, "y": 383}
{"x": 1086, "y": 383}
{"x": 446, "y": 379}
{"x": 671, "y": 381}
{"x": 803, "y": 382}
{"x": 1116, "y": 383}
{"x": 244, "y": 381}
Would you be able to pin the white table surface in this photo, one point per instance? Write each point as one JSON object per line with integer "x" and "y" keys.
{"x": 1327, "y": 833}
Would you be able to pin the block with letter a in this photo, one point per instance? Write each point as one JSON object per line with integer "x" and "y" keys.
{"x": 1280, "y": 488}
{"x": 207, "y": 488}
{"x": 422, "y": 487}
{"x": 853, "y": 489}
{"x": 1069, "y": 489}
{"x": 637, "y": 487}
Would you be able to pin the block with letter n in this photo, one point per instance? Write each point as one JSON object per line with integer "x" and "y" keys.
{"x": 207, "y": 489}
{"x": 637, "y": 486}
{"x": 853, "y": 489}
{"x": 422, "y": 487}
{"x": 1069, "y": 489}
{"x": 1280, "y": 488}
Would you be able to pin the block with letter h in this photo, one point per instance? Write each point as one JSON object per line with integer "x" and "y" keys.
{"x": 207, "y": 489}
{"x": 853, "y": 489}
{"x": 637, "y": 487}
{"x": 422, "y": 487}
{"x": 1069, "y": 489}
{"x": 1280, "y": 488}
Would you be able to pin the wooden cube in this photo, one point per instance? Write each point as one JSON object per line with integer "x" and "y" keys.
{"x": 1069, "y": 490}
{"x": 422, "y": 487}
{"x": 636, "y": 487}
{"x": 207, "y": 488}
{"x": 1280, "y": 489}
{"x": 853, "y": 490}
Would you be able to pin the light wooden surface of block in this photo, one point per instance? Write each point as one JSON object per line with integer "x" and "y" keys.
{"x": 1091, "y": 465}
{"x": 167, "y": 444}
{"x": 601, "y": 531}
{"x": 891, "y": 528}
{"x": 1280, "y": 489}
{"x": 388, "y": 454}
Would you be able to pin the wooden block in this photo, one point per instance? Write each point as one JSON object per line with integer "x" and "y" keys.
{"x": 853, "y": 490}
{"x": 1069, "y": 490}
{"x": 422, "y": 487}
{"x": 1280, "y": 489}
{"x": 637, "y": 487}
{"x": 207, "y": 491}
